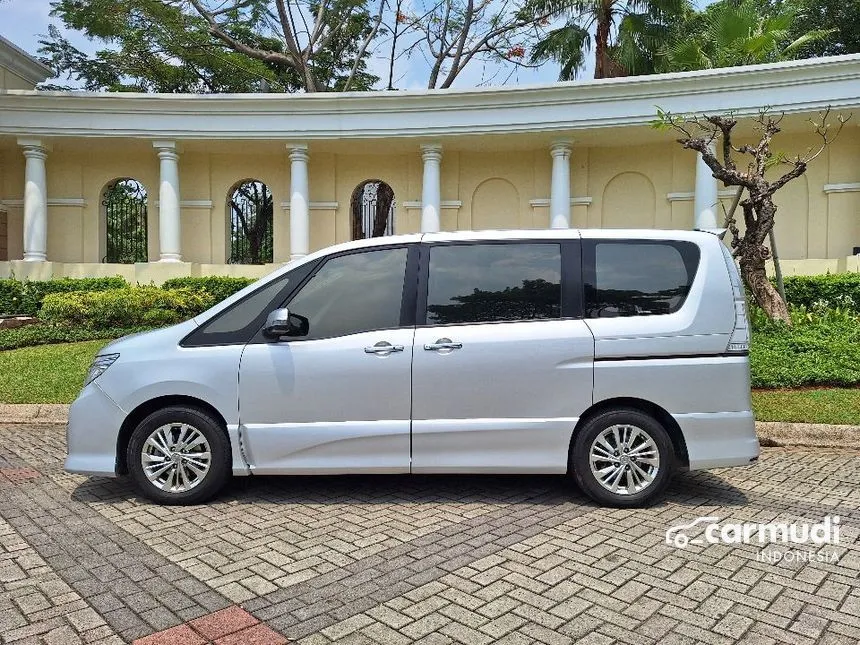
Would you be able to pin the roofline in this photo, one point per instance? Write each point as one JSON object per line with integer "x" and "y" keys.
{"x": 792, "y": 86}
{"x": 19, "y": 62}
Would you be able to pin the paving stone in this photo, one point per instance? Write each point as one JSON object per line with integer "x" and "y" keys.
{"x": 427, "y": 559}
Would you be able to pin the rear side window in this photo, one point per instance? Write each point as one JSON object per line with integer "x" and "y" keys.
{"x": 637, "y": 277}
{"x": 479, "y": 283}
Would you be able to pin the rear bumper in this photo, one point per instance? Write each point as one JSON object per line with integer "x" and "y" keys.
{"x": 719, "y": 439}
{"x": 91, "y": 434}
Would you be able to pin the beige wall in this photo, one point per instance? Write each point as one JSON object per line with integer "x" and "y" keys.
{"x": 627, "y": 185}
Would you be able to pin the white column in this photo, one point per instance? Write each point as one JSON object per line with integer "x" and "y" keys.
{"x": 299, "y": 217}
{"x": 559, "y": 199}
{"x": 706, "y": 199}
{"x": 35, "y": 201}
{"x": 431, "y": 188}
{"x": 169, "y": 227}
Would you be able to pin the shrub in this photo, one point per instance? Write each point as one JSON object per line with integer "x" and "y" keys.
{"x": 46, "y": 334}
{"x": 129, "y": 307}
{"x": 816, "y": 350}
{"x": 831, "y": 291}
{"x": 10, "y": 296}
{"x": 26, "y": 297}
{"x": 220, "y": 287}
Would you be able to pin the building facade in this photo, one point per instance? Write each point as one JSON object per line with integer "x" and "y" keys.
{"x": 155, "y": 186}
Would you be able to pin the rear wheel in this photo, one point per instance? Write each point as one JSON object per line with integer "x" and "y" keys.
{"x": 179, "y": 455}
{"x": 622, "y": 458}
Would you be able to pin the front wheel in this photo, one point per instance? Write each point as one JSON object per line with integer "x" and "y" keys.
{"x": 622, "y": 458}
{"x": 179, "y": 455}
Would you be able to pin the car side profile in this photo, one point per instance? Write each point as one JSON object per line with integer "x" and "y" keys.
{"x": 616, "y": 356}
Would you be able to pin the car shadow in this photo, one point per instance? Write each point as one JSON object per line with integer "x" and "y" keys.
{"x": 687, "y": 489}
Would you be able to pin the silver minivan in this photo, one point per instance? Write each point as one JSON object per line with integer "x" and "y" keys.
{"x": 617, "y": 357}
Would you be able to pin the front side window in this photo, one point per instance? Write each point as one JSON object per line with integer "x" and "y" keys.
{"x": 480, "y": 283}
{"x": 353, "y": 293}
{"x": 239, "y": 322}
{"x": 637, "y": 278}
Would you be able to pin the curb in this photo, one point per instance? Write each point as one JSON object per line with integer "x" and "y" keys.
{"x": 770, "y": 433}
{"x": 814, "y": 435}
{"x": 34, "y": 413}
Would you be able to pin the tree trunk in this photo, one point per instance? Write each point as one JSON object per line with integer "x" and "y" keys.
{"x": 755, "y": 278}
{"x": 601, "y": 40}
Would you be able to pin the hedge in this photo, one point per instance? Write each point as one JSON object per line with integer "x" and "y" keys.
{"x": 129, "y": 307}
{"x": 818, "y": 349}
{"x": 841, "y": 290}
{"x": 219, "y": 287}
{"x": 17, "y": 297}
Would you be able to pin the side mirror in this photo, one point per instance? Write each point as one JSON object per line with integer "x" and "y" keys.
{"x": 282, "y": 323}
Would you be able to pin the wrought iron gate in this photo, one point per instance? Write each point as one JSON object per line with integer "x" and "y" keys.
{"x": 124, "y": 202}
{"x": 4, "y": 252}
{"x": 369, "y": 198}
{"x": 251, "y": 223}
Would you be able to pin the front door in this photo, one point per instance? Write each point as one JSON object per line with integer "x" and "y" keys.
{"x": 338, "y": 399}
{"x": 503, "y": 367}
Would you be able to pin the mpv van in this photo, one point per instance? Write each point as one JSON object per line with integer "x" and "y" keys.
{"x": 615, "y": 356}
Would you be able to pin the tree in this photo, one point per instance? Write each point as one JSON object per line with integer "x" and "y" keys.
{"x": 731, "y": 32}
{"x": 699, "y": 132}
{"x": 180, "y": 46}
{"x": 456, "y": 32}
{"x": 283, "y": 45}
{"x": 624, "y": 34}
{"x": 840, "y": 18}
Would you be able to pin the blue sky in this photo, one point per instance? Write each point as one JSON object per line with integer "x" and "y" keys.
{"x": 23, "y": 21}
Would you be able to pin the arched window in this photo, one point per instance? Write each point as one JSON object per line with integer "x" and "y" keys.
{"x": 124, "y": 203}
{"x": 251, "y": 220}
{"x": 372, "y": 208}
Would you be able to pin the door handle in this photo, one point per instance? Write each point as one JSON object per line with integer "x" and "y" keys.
{"x": 443, "y": 343}
{"x": 383, "y": 347}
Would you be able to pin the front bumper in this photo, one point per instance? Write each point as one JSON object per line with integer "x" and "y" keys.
{"x": 92, "y": 431}
{"x": 719, "y": 439}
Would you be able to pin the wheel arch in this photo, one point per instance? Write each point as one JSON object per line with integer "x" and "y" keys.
{"x": 146, "y": 408}
{"x": 652, "y": 409}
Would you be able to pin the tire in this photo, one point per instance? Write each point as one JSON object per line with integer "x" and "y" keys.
{"x": 647, "y": 441}
{"x": 179, "y": 474}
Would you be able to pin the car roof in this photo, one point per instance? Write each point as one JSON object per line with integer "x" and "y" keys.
{"x": 520, "y": 234}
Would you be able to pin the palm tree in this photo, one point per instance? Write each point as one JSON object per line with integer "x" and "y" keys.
{"x": 735, "y": 32}
{"x": 624, "y": 34}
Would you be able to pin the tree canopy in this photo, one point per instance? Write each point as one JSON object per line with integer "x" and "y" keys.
{"x": 738, "y": 32}
{"x": 624, "y": 34}
{"x": 285, "y": 45}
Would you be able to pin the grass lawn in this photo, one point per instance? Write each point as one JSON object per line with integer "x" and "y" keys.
{"x": 810, "y": 405}
{"x": 46, "y": 373}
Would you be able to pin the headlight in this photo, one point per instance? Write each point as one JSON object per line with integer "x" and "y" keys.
{"x": 100, "y": 364}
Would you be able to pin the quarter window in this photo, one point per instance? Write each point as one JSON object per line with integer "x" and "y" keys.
{"x": 238, "y": 323}
{"x": 637, "y": 278}
{"x": 480, "y": 283}
{"x": 353, "y": 293}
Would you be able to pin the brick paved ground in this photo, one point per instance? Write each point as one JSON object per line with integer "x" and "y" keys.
{"x": 427, "y": 559}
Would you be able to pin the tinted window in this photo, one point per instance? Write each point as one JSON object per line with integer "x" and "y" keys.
{"x": 492, "y": 282}
{"x": 353, "y": 293}
{"x": 637, "y": 278}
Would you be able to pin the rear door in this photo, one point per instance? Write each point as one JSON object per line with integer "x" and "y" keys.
{"x": 503, "y": 362}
